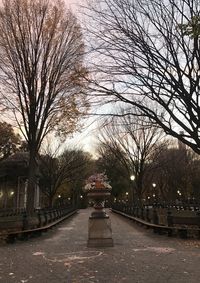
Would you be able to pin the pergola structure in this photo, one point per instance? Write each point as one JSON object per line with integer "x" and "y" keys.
{"x": 13, "y": 182}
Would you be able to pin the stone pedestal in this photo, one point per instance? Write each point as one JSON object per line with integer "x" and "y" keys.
{"x": 99, "y": 226}
{"x": 99, "y": 232}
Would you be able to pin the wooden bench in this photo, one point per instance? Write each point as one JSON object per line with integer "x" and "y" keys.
{"x": 184, "y": 223}
{"x": 178, "y": 224}
{"x": 156, "y": 227}
{"x": 11, "y": 236}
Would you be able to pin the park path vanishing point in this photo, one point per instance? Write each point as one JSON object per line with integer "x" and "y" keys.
{"x": 139, "y": 256}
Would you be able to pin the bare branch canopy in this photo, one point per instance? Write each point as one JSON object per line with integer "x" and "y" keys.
{"x": 148, "y": 56}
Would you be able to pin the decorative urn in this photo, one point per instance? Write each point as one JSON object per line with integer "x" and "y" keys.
{"x": 99, "y": 224}
{"x": 98, "y": 190}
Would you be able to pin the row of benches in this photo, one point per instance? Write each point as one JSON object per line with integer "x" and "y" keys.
{"x": 181, "y": 206}
{"x": 21, "y": 226}
{"x": 164, "y": 220}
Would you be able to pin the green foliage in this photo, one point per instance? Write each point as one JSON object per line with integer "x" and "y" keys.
{"x": 116, "y": 172}
{"x": 64, "y": 174}
{"x": 192, "y": 28}
{"x": 9, "y": 140}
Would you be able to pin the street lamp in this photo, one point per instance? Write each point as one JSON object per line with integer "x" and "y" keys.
{"x": 154, "y": 190}
{"x": 126, "y": 196}
{"x": 179, "y": 193}
{"x": 132, "y": 177}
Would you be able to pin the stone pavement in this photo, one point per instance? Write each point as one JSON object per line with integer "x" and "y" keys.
{"x": 139, "y": 256}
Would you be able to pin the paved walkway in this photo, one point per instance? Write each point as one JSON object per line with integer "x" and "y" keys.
{"x": 139, "y": 256}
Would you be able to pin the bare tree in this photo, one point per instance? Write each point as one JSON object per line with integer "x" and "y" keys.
{"x": 135, "y": 144}
{"x": 174, "y": 171}
{"x": 41, "y": 71}
{"x": 71, "y": 167}
{"x": 147, "y": 56}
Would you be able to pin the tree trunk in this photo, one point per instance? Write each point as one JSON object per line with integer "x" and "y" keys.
{"x": 139, "y": 186}
{"x": 31, "y": 182}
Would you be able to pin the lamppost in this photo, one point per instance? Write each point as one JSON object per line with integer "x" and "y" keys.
{"x": 179, "y": 195}
{"x": 132, "y": 178}
{"x": 59, "y": 200}
{"x": 126, "y": 196}
{"x": 154, "y": 190}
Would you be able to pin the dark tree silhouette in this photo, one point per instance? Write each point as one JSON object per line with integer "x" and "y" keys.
{"x": 148, "y": 56}
{"x": 135, "y": 144}
{"x": 41, "y": 71}
{"x": 9, "y": 140}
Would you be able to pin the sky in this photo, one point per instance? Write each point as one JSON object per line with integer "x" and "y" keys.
{"x": 73, "y": 4}
{"x": 86, "y": 139}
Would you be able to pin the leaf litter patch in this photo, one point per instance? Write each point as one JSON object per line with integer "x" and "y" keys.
{"x": 160, "y": 250}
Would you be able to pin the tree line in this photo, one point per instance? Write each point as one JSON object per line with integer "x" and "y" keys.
{"x": 162, "y": 169}
{"x": 145, "y": 166}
